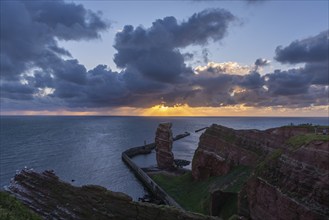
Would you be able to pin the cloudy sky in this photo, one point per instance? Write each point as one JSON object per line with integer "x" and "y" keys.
{"x": 201, "y": 58}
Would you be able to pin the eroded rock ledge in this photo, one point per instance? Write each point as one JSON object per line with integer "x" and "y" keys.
{"x": 52, "y": 198}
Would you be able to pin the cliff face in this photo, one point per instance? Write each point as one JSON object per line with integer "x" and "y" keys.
{"x": 288, "y": 182}
{"x": 53, "y": 199}
{"x": 163, "y": 143}
{"x": 221, "y": 148}
{"x": 293, "y": 186}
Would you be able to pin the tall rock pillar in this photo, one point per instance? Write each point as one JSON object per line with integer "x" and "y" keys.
{"x": 163, "y": 143}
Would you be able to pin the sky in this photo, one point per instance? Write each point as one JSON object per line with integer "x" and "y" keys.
{"x": 165, "y": 58}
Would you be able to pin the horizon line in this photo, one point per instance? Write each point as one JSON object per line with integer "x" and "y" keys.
{"x": 160, "y": 116}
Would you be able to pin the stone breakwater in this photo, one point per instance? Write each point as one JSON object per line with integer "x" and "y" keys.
{"x": 154, "y": 188}
{"x": 52, "y": 198}
{"x": 145, "y": 179}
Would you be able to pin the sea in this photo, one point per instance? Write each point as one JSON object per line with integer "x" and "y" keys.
{"x": 87, "y": 149}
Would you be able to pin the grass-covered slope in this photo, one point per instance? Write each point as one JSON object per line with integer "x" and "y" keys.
{"x": 12, "y": 209}
{"x": 195, "y": 195}
{"x": 302, "y": 139}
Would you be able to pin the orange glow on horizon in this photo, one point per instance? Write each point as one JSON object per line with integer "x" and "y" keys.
{"x": 185, "y": 110}
{"x": 162, "y": 110}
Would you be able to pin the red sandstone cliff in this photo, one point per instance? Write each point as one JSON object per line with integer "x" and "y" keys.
{"x": 221, "y": 148}
{"x": 293, "y": 186}
{"x": 287, "y": 182}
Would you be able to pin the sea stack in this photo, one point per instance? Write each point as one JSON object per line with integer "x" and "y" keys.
{"x": 163, "y": 143}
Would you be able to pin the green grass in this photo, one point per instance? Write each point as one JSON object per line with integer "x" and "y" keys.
{"x": 230, "y": 208}
{"x": 262, "y": 166}
{"x": 300, "y": 140}
{"x": 12, "y": 209}
{"x": 195, "y": 195}
{"x": 294, "y": 142}
{"x": 310, "y": 127}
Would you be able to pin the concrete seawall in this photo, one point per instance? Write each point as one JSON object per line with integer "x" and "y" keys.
{"x": 152, "y": 186}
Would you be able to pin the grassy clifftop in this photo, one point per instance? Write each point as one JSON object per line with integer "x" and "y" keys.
{"x": 302, "y": 139}
{"x": 12, "y": 209}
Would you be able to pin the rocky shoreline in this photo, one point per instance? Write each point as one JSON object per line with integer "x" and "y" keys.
{"x": 52, "y": 198}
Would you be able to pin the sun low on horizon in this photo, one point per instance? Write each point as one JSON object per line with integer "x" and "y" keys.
{"x": 188, "y": 58}
{"x": 162, "y": 110}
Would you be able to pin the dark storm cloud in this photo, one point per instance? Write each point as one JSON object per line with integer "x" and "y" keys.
{"x": 16, "y": 90}
{"x": 255, "y": 1}
{"x": 319, "y": 72}
{"x": 313, "y": 49}
{"x": 220, "y": 89}
{"x": 289, "y": 82}
{"x": 261, "y": 62}
{"x": 154, "y": 52}
{"x": 253, "y": 80}
{"x": 95, "y": 88}
{"x": 70, "y": 71}
{"x": 247, "y": 1}
{"x": 314, "y": 52}
{"x": 66, "y": 21}
{"x": 205, "y": 53}
{"x": 29, "y": 30}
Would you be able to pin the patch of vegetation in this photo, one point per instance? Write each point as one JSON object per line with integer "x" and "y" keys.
{"x": 230, "y": 138}
{"x": 234, "y": 217}
{"x": 262, "y": 166}
{"x": 309, "y": 127}
{"x": 230, "y": 208}
{"x": 227, "y": 135}
{"x": 189, "y": 194}
{"x": 12, "y": 209}
{"x": 195, "y": 195}
{"x": 299, "y": 140}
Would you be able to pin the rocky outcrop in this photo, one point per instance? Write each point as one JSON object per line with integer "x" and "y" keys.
{"x": 289, "y": 181}
{"x": 221, "y": 148}
{"x": 163, "y": 143}
{"x": 51, "y": 198}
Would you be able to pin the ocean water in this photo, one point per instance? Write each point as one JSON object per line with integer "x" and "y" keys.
{"x": 88, "y": 149}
